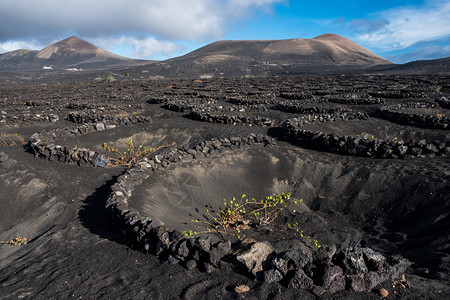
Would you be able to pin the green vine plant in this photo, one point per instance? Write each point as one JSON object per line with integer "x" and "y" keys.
{"x": 19, "y": 241}
{"x": 132, "y": 156}
{"x": 7, "y": 141}
{"x": 241, "y": 214}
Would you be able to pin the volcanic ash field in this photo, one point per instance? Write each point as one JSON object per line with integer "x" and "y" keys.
{"x": 361, "y": 165}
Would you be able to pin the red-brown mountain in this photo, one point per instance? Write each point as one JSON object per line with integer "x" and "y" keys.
{"x": 72, "y": 52}
{"x": 325, "y": 53}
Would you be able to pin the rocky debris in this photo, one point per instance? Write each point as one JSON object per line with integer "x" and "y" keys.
{"x": 105, "y": 107}
{"x": 6, "y": 162}
{"x": 255, "y": 255}
{"x": 399, "y": 94}
{"x": 192, "y": 105}
{"x": 41, "y": 147}
{"x": 357, "y": 283}
{"x": 50, "y": 136}
{"x": 443, "y": 102}
{"x": 383, "y": 293}
{"x": 374, "y": 260}
{"x": 334, "y": 279}
{"x": 65, "y": 154}
{"x": 355, "y": 99}
{"x": 301, "y": 281}
{"x": 393, "y": 114}
{"x": 158, "y": 100}
{"x": 231, "y": 119}
{"x": 28, "y": 117}
{"x": 293, "y": 107}
{"x": 353, "y": 260}
{"x": 219, "y": 251}
{"x": 364, "y": 147}
{"x": 90, "y": 117}
{"x": 241, "y": 289}
{"x": 414, "y": 104}
{"x": 249, "y": 102}
{"x": 322, "y": 118}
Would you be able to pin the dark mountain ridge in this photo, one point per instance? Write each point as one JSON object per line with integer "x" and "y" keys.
{"x": 325, "y": 54}
{"x": 72, "y": 52}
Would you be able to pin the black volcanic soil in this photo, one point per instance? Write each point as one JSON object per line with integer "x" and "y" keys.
{"x": 395, "y": 206}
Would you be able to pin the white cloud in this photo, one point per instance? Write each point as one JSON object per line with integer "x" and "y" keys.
{"x": 139, "y": 47}
{"x": 166, "y": 19}
{"x": 148, "y": 27}
{"x": 15, "y": 45}
{"x": 404, "y": 26}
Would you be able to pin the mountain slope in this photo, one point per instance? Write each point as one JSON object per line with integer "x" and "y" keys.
{"x": 428, "y": 66}
{"x": 326, "y": 53}
{"x": 72, "y": 52}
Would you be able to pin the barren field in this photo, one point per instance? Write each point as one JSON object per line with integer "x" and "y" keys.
{"x": 365, "y": 160}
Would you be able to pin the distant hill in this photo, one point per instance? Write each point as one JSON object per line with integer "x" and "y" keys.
{"x": 72, "y": 52}
{"x": 429, "y": 66}
{"x": 325, "y": 53}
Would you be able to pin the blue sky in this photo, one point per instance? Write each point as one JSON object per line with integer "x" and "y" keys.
{"x": 397, "y": 30}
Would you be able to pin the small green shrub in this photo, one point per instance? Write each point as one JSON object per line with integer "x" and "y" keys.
{"x": 6, "y": 140}
{"x": 132, "y": 156}
{"x": 241, "y": 214}
{"x": 108, "y": 78}
{"x": 16, "y": 242}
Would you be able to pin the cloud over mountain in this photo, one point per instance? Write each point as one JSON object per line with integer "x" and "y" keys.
{"x": 402, "y": 27}
{"x": 174, "y": 19}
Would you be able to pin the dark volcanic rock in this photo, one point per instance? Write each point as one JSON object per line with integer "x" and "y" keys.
{"x": 255, "y": 256}
{"x": 334, "y": 280}
{"x": 301, "y": 281}
{"x": 352, "y": 260}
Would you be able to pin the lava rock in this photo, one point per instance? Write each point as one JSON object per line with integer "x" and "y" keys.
{"x": 273, "y": 275}
{"x": 191, "y": 264}
{"x": 219, "y": 251}
{"x": 357, "y": 283}
{"x": 334, "y": 280}
{"x": 301, "y": 281}
{"x": 281, "y": 265}
{"x": 374, "y": 260}
{"x": 255, "y": 255}
{"x": 402, "y": 149}
{"x": 6, "y": 162}
{"x": 352, "y": 260}
{"x": 100, "y": 127}
{"x": 431, "y": 148}
{"x": 318, "y": 290}
{"x": 299, "y": 257}
{"x": 324, "y": 255}
{"x": 100, "y": 161}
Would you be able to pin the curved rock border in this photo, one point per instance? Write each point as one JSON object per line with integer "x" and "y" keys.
{"x": 104, "y": 107}
{"x": 42, "y": 145}
{"x": 65, "y": 154}
{"x": 399, "y": 94}
{"x": 27, "y": 117}
{"x": 292, "y": 107}
{"x": 373, "y": 148}
{"x": 249, "y": 102}
{"x": 355, "y": 100}
{"x": 91, "y": 117}
{"x": 356, "y": 268}
{"x": 231, "y": 119}
{"x": 393, "y": 114}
